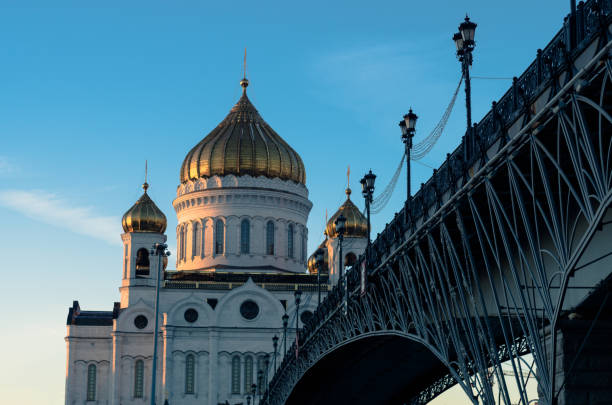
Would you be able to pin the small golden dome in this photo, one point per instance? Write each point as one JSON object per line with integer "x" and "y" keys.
{"x": 312, "y": 263}
{"x": 243, "y": 144}
{"x": 144, "y": 216}
{"x": 356, "y": 224}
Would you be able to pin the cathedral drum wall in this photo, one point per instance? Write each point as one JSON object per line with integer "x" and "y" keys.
{"x": 225, "y": 221}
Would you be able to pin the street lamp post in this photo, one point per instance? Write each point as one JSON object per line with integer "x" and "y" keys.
{"x": 340, "y": 224}
{"x": 367, "y": 190}
{"x": 464, "y": 42}
{"x": 407, "y": 125}
{"x": 285, "y": 323}
{"x": 275, "y": 344}
{"x": 298, "y": 298}
{"x": 319, "y": 266}
{"x": 159, "y": 250}
{"x": 298, "y": 295}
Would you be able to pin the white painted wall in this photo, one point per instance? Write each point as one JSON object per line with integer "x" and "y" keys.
{"x": 223, "y": 328}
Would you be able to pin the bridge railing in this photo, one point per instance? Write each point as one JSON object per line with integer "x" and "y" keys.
{"x": 553, "y": 64}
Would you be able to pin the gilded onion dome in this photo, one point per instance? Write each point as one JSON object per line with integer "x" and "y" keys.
{"x": 356, "y": 224}
{"x": 144, "y": 216}
{"x": 312, "y": 263}
{"x": 243, "y": 144}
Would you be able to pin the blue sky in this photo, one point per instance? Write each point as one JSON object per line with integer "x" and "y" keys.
{"x": 88, "y": 91}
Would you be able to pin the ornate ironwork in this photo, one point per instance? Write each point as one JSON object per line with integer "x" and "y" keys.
{"x": 469, "y": 267}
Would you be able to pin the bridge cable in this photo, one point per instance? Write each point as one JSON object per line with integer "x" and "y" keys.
{"x": 380, "y": 202}
{"x": 423, "y": 147}
{"x": 417, "y": 152}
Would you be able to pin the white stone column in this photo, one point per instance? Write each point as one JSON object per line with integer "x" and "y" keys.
{"x": 208, "y": 236}
{"x": 279, "y": 248}
{"x": 115, "y": 368}
{"x": 231, "y": 230}
{"x": 168, "y": 366}
{"x": 258, "y": 237}
{"x": 213, "y": 369}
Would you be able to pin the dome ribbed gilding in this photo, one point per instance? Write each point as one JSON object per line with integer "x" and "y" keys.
{"x": 356, "y": 224}
{"x": 144, "y": 216}
{"x": 312, "y": 262}
{"x": 243, "y": 144}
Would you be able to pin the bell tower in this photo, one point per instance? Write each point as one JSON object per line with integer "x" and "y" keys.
{"x": 144, "y": 225}
{"x": 354, "y": 237}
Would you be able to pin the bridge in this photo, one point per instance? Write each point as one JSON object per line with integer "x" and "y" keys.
{"x": 505, "y": 251}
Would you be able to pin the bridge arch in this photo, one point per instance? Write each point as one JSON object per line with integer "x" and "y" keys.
{"x": 373, "y": 368}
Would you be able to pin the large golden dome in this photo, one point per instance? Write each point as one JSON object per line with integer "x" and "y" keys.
{"x": 243, "y": 143}
{"x": 144, "y": 216}
{"x": 356, "y": 224}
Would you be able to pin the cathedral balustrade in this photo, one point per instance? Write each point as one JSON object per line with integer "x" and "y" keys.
{"x": 229, "y": 286}
{"x": 424, "y": 270}
{"x": 245, "y": 182}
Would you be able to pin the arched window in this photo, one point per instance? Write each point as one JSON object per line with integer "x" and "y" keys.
{"x": 245, "y": 236}
{"x": 197, "y": 240}
{"x": 91, "y": 382}
{"x": 142, "y": 262}
{"x": 350, "y": 259}
{"x": 236, "y": 375}
{"x": 182, "y": 241}
{"x": 185, "y": 230}
{"x": 139, "y": 379}
{"x": 203, "y": 238}
{"x": 189, "y": 374}
{"x": 248, "y": 374}
{"x": 270, "y": 238}
{"x": 219, "y": 237}
{"x": 125, "y": 260}
{"x": 290, "y": 241}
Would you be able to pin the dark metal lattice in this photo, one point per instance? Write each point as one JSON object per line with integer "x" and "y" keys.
{"x": 476, "y": 267}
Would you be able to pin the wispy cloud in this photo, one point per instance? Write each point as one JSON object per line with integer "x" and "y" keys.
{"x": 52, "y": 209}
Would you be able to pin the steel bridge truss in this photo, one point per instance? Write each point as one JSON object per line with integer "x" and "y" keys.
{"x": 484, "y": 279}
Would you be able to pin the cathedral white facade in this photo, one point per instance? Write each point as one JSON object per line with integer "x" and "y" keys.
{"x": 242, "y": 207}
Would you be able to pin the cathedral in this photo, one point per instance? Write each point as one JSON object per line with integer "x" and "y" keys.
{"x": 243, "y": 282}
